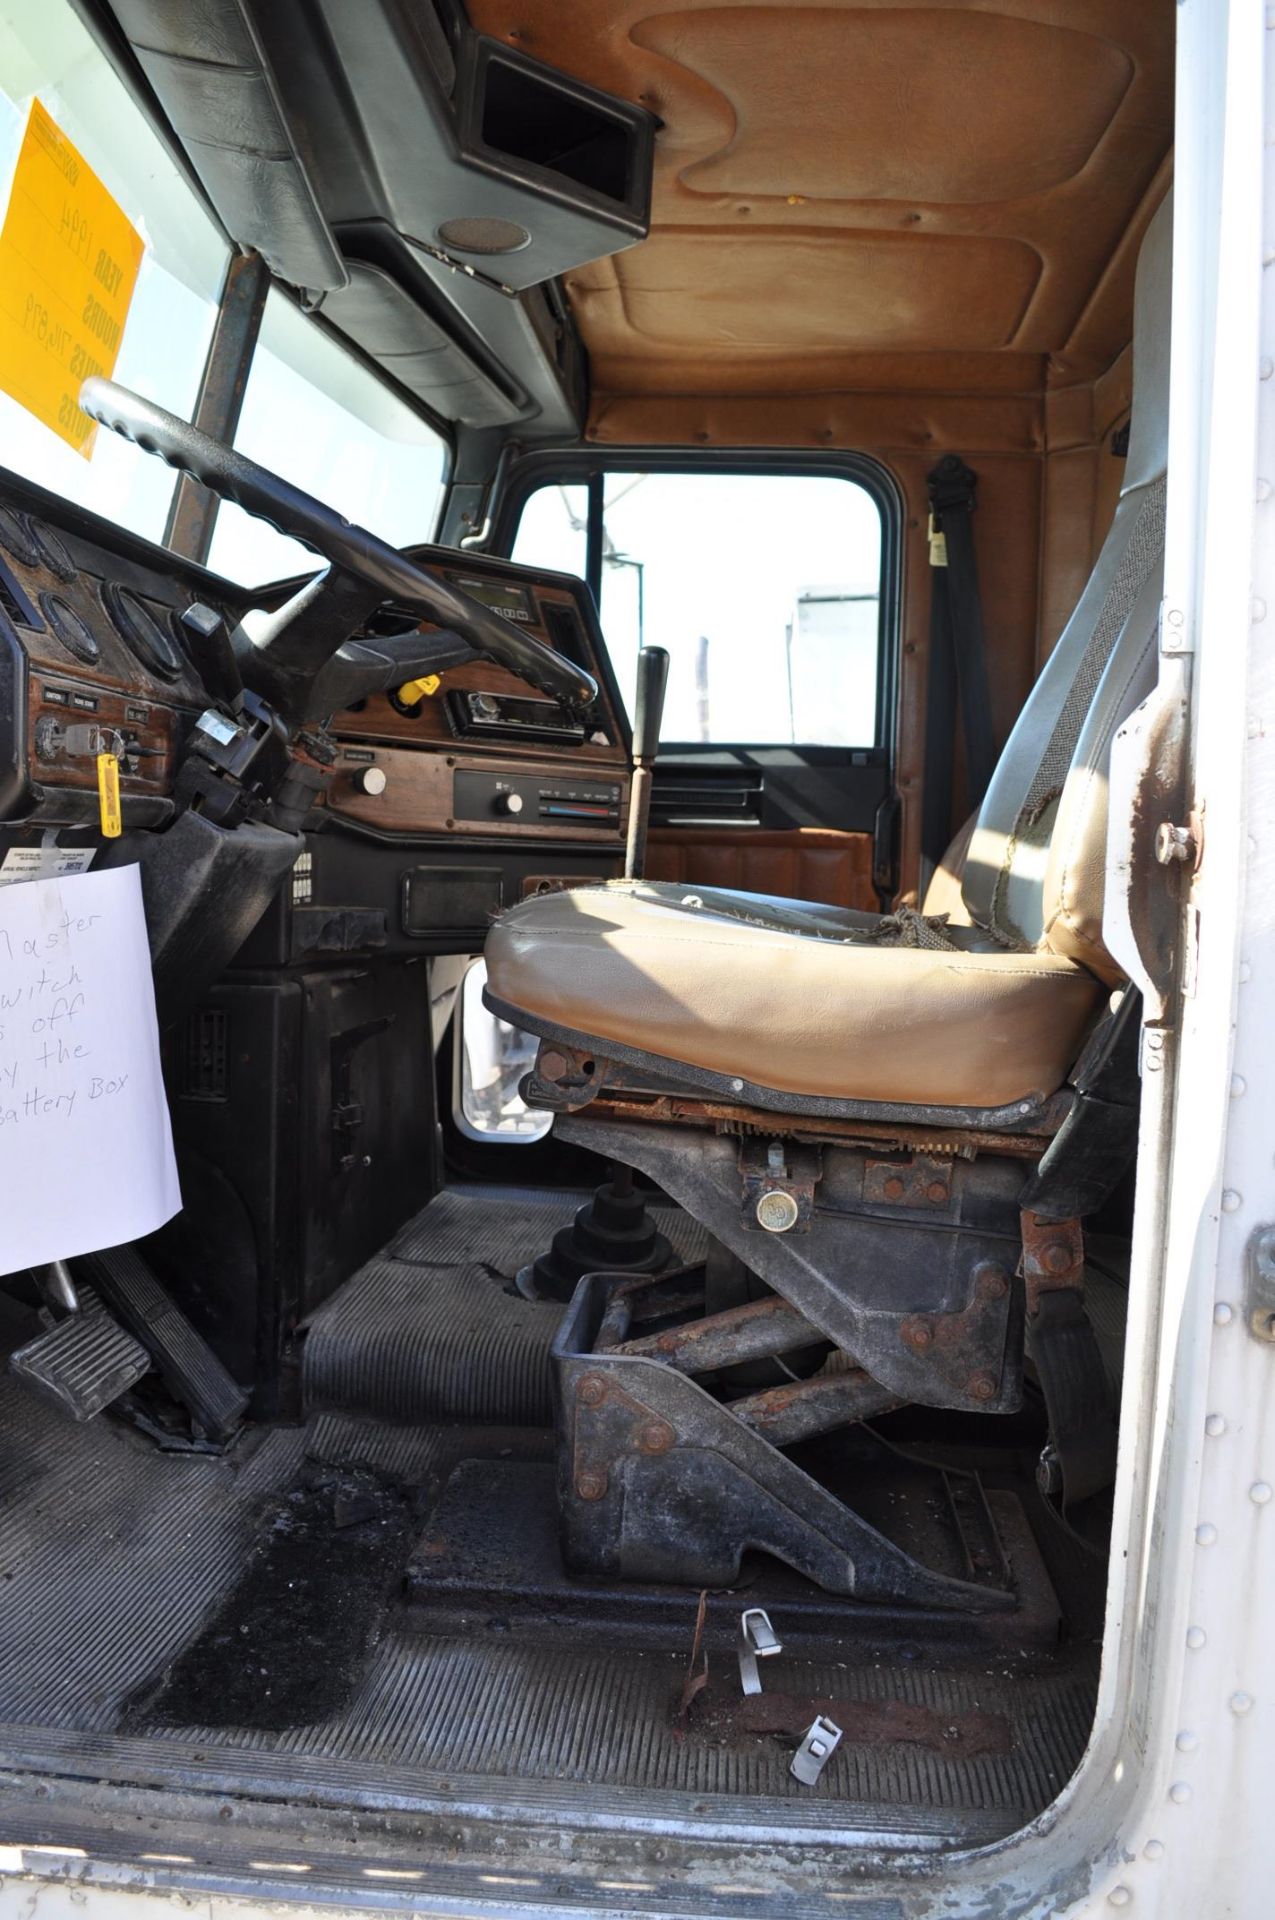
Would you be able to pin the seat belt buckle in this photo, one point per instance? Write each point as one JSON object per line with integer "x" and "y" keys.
{"x": 938, "y": 544}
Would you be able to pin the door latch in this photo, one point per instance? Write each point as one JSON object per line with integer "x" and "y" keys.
{"x": 1259, "y": 1286}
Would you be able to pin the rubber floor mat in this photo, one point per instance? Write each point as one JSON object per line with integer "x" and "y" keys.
{"x": 491, "y": 1705}
{"x": 469, "y": 1682}
{"x": 290, "y": 1642}
{"x": 112, "y": 1553}
{"x": 433, "y": 1330}
{"x": 505, "y": 1227}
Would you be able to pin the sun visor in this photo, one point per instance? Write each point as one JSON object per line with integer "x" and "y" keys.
{"x": 209, "y": 73}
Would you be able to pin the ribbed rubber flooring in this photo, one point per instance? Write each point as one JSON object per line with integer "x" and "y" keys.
{"x": 111, "y": 1553}
{"x": 1107, "y": 1304}
{"x": 432, "y": 1331}
{"x": 418, "y": 1456}
{"x": 495, "y": 1708}
{"x": 505, "y": 1227}
{"x": 114, "y": 1556}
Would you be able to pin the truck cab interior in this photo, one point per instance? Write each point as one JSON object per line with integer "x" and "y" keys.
{"x": 615, "y": 550}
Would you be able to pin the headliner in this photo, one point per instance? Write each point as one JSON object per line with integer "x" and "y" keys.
{"x": 870, "y": 194}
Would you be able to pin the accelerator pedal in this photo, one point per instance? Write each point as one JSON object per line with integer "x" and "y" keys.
{"x": 183, "y": 1358}
{"x": 83, "y": 1362}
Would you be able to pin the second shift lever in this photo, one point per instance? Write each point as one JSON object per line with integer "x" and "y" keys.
{"x": 648, "y": 711}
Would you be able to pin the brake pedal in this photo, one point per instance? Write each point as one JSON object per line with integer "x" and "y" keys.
{"x": 82, "y": 1363}
{"x": 183, "y": 1358}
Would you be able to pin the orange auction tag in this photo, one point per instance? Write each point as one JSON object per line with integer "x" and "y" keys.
{"x": 69, "y": 259}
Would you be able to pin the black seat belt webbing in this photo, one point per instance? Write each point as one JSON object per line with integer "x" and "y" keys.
{"x": 957, "y": 659}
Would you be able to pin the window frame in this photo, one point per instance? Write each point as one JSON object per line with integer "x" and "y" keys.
{"x": 589, "y": 467}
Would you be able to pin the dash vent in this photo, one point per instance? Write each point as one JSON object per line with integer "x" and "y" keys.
{"x": 14, "y": 601}
{"x": 682, "y": 799}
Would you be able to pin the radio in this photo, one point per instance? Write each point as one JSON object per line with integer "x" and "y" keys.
{"x": 502, "y": 716}
{"x": 532, "y": 799}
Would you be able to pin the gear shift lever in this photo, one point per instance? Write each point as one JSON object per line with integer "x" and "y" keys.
{"x": 652, "y": 678}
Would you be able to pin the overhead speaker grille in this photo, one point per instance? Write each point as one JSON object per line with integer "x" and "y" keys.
{"x": 483, "y": 233}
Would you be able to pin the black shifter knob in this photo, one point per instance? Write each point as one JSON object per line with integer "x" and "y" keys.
{"x": 648, "y": 711}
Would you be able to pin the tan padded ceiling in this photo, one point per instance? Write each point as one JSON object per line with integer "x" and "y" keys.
{"x": 836, "y": 184}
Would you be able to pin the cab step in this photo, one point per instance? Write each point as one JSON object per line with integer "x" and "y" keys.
{"x": 83, "y": 1363}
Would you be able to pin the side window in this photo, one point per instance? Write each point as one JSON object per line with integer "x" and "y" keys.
{"x": 491, "y": 1060}
{"x": 553, "y": 529}
{"x": 764, "y": 588}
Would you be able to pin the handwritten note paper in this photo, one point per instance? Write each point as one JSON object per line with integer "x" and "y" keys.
{"x": 86, "y": 1151}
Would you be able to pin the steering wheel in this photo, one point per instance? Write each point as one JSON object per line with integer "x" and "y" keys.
{"x": 363, "y": 571}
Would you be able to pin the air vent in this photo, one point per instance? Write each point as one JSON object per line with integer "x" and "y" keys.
{"x": 565, "y": 634}
{"x": 684, "y": 799}
{"x": 15, "y": 602}
{"x": 531, "y": 116}
{"x": 204, "y": 1055}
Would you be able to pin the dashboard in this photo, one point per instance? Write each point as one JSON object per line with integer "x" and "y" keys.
{"x": 109, "y": 644}
{"x": 480, "y": 752}
{"x": 106, "y": 642}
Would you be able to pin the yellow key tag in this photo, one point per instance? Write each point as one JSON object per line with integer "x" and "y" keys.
{"x": 412, "y": 692}
{"x": 108, "y": 794}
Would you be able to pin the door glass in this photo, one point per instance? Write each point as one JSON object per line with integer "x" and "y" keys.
{"x": 553, "y": 530}
{"x": 764, "y": 588}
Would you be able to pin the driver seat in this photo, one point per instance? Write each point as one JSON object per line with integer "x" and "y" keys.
{"x": 790, "y": 1006}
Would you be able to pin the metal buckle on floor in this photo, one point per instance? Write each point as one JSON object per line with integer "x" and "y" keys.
{"x": 757, "y": 1641}
{"x": 822, "y": 1738}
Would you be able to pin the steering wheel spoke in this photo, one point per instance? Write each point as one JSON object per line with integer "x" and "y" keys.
{"x": 286, "y": 658}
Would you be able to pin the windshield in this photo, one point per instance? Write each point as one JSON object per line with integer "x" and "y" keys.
{"x": 315, "y": 414}
{"x": 312, "y": 411}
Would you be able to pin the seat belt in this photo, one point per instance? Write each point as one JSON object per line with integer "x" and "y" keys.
{"x": 957, "y": 660}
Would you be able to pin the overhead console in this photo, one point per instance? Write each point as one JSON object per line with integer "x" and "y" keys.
{"x": 428, "y": 181}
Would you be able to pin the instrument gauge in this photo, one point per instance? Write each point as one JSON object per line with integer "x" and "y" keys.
{"x": 53, "y": 552}
{"x": 142, "y": 633}
{"x": 74, "y": 633}
{"x": 17, "y": 537}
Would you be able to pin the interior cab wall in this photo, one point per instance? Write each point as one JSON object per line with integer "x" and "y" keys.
{"x": 1042, "y": 434}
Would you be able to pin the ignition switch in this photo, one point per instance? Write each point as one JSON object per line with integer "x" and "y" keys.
{"x": 82, "y": 741}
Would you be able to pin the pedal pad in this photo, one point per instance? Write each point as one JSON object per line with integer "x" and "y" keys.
{"x": 183, "y": 1358}
{"x": 82, "y": 1363}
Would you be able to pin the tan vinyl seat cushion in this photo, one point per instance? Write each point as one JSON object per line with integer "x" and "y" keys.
{"x": 785, "y": 994}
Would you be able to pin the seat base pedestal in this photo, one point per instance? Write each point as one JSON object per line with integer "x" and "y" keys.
{"x": 658, "y": 1481}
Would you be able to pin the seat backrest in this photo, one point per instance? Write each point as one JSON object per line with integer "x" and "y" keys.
{"x": 1036, "y": 862}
